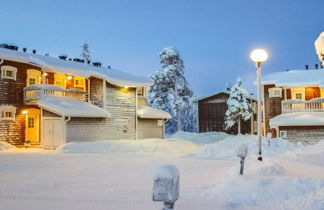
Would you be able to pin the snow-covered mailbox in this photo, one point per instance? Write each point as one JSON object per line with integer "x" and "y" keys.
{"x": 166, "y": 185}
{"x": 241, "y": 152}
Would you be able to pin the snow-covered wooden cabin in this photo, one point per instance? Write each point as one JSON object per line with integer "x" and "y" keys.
{"x": 294, "y": 104}
{"x": 49, "y": 101}
{"x": 211, "y": 114}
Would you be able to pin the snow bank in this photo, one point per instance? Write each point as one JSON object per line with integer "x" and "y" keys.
{"x": 200, "y": 138}
{"x": 265, "y": 184}
{"x": 311, "y": 154}
{"x": 6, "y": 146}
{"x": 160, "y": 147}
{"x": 225, "y": 149}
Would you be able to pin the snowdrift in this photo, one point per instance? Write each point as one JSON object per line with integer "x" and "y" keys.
{"x": 6, "y": 146}
{"x": 200, "y": 138}
{"x": 160, "y": 147}
{"x": 225, "y": 149}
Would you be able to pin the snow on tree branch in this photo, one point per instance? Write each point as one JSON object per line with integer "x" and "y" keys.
{"x": 319, "y": 46}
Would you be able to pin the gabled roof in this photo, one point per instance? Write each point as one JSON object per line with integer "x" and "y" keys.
{"x": 215, "y": 94}
{"x": 295, "y": 78}
{"x": 51, "y": 64}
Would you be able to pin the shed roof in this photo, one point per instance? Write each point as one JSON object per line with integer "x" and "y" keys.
{"x": 221, "y": 92}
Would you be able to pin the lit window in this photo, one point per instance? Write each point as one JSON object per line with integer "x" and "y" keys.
{"x": 31, "y": 122}
{"x": 7, "y": 112}
{"x": 79, "y": 82}
{"x": 8, "y": 72}
{"x": 275, "y": 92}
{"x": 299, "y": 96}
{"x": 32, "y": 81}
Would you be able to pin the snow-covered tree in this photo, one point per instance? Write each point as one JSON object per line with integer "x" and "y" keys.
{"x": 319, "y": 46}
{"x": 238, "y": 107}
{"x": 86, "y": 53}
{"x": 171, "y": 92}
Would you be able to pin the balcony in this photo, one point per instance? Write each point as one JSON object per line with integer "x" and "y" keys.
{"x": 294, "y": 106}
{"x": 34, "y": 93}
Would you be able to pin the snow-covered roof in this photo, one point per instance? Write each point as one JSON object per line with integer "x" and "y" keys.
{"x": 226, "y": 92}
{"x": 295, "y": 78}
{"x": 298, "y": 119}
{"x": 51, "y": 64}
{"x": 152, "y": 113}
{"x": 71, "y": 108}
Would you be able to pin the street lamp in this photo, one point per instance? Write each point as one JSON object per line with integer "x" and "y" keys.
{"x": 259, "y": 56}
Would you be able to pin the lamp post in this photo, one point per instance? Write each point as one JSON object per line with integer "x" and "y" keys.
{"x": 259, "y": 56}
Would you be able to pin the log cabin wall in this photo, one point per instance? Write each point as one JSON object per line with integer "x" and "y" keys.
{"x": 11, "y": 93}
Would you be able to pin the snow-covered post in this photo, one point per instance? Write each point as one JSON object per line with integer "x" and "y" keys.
{"x": 259, "y": 56}
{"x": 166, "y": 186}
{"x": 241, "y": 152}
{"x": 269, "y": 136}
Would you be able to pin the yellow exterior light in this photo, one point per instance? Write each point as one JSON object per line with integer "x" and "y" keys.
{"x": 25, "y": 112}
{"x": 126, "y": 87}
{"x": 259, "y": 55}
{"x": 69, "y": 78}
{"x": 45, "y": 74}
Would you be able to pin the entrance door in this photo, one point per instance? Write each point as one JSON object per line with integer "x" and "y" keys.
{"x": 52, "y": 133}
{"x": 32, "y": 126}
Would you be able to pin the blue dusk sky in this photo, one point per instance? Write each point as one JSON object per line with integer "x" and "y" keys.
{"x": 214, "y": 37}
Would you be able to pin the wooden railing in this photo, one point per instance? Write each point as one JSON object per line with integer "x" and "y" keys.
{"x": 36, "y": 92}
{"x": 292, "y": 106}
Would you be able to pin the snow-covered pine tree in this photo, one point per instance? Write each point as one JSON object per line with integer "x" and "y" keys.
{"x": 319, "y": 46}
{"x": 86, "y": 53}
{"x": 171, "y": 92}
{"x": 238, "y": 107}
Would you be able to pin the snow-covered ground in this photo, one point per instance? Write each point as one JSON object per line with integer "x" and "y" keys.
{"x": 119, "y": 174}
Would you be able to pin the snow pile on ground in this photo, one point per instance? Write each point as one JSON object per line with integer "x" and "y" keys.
{"x": 264, "y": 184}
{"x": 200, "y": 138}
{"x": 225, "y": 149}
{"x": 312, "y": 154}
{"x": 6, "y": 146}
{"x": 160, "y": 147}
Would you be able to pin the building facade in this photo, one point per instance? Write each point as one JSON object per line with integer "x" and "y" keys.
{"x": 294, "y": 105}
{"x": 211, "y": 115}
{"x": 48, "y": 101}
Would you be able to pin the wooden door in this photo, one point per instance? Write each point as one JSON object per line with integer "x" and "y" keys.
{"x": 52, "y": 133}
{"x": 57, "y": 139}
{"x": 32, "y": 126}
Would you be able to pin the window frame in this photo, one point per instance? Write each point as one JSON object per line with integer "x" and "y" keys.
{"x": 81, "y": 82}
{"x": 4, "y": 109}
{"x": 5, "y": 69}
{"x": 272, "y": 92}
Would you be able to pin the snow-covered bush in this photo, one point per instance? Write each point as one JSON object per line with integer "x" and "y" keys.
{"x": 238, "y": 107}
{"x": 242, "y": 150}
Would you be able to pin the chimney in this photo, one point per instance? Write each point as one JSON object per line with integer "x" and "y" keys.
{"x": 97, "y": 64}
{"x": 109, "y": 67}
{"x": 63, "y": 57}
{"x": 287, "y": 69}
{"x": 316, "y": 66}
{"x": 24, "y": 49}
{"x": 321, "y": 66}
{"x": 306, "y": 66}
{"x": 34, "y": 51}
{"x": 46, "y": 54}
{"x": 70, "y": 59}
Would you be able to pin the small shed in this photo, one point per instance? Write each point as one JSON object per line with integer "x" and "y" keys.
{"x": 211, "y": 114}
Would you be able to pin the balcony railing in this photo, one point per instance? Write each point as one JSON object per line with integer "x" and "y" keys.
{"x": 292, "y": 106}
{"x": 35, "y": 92}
